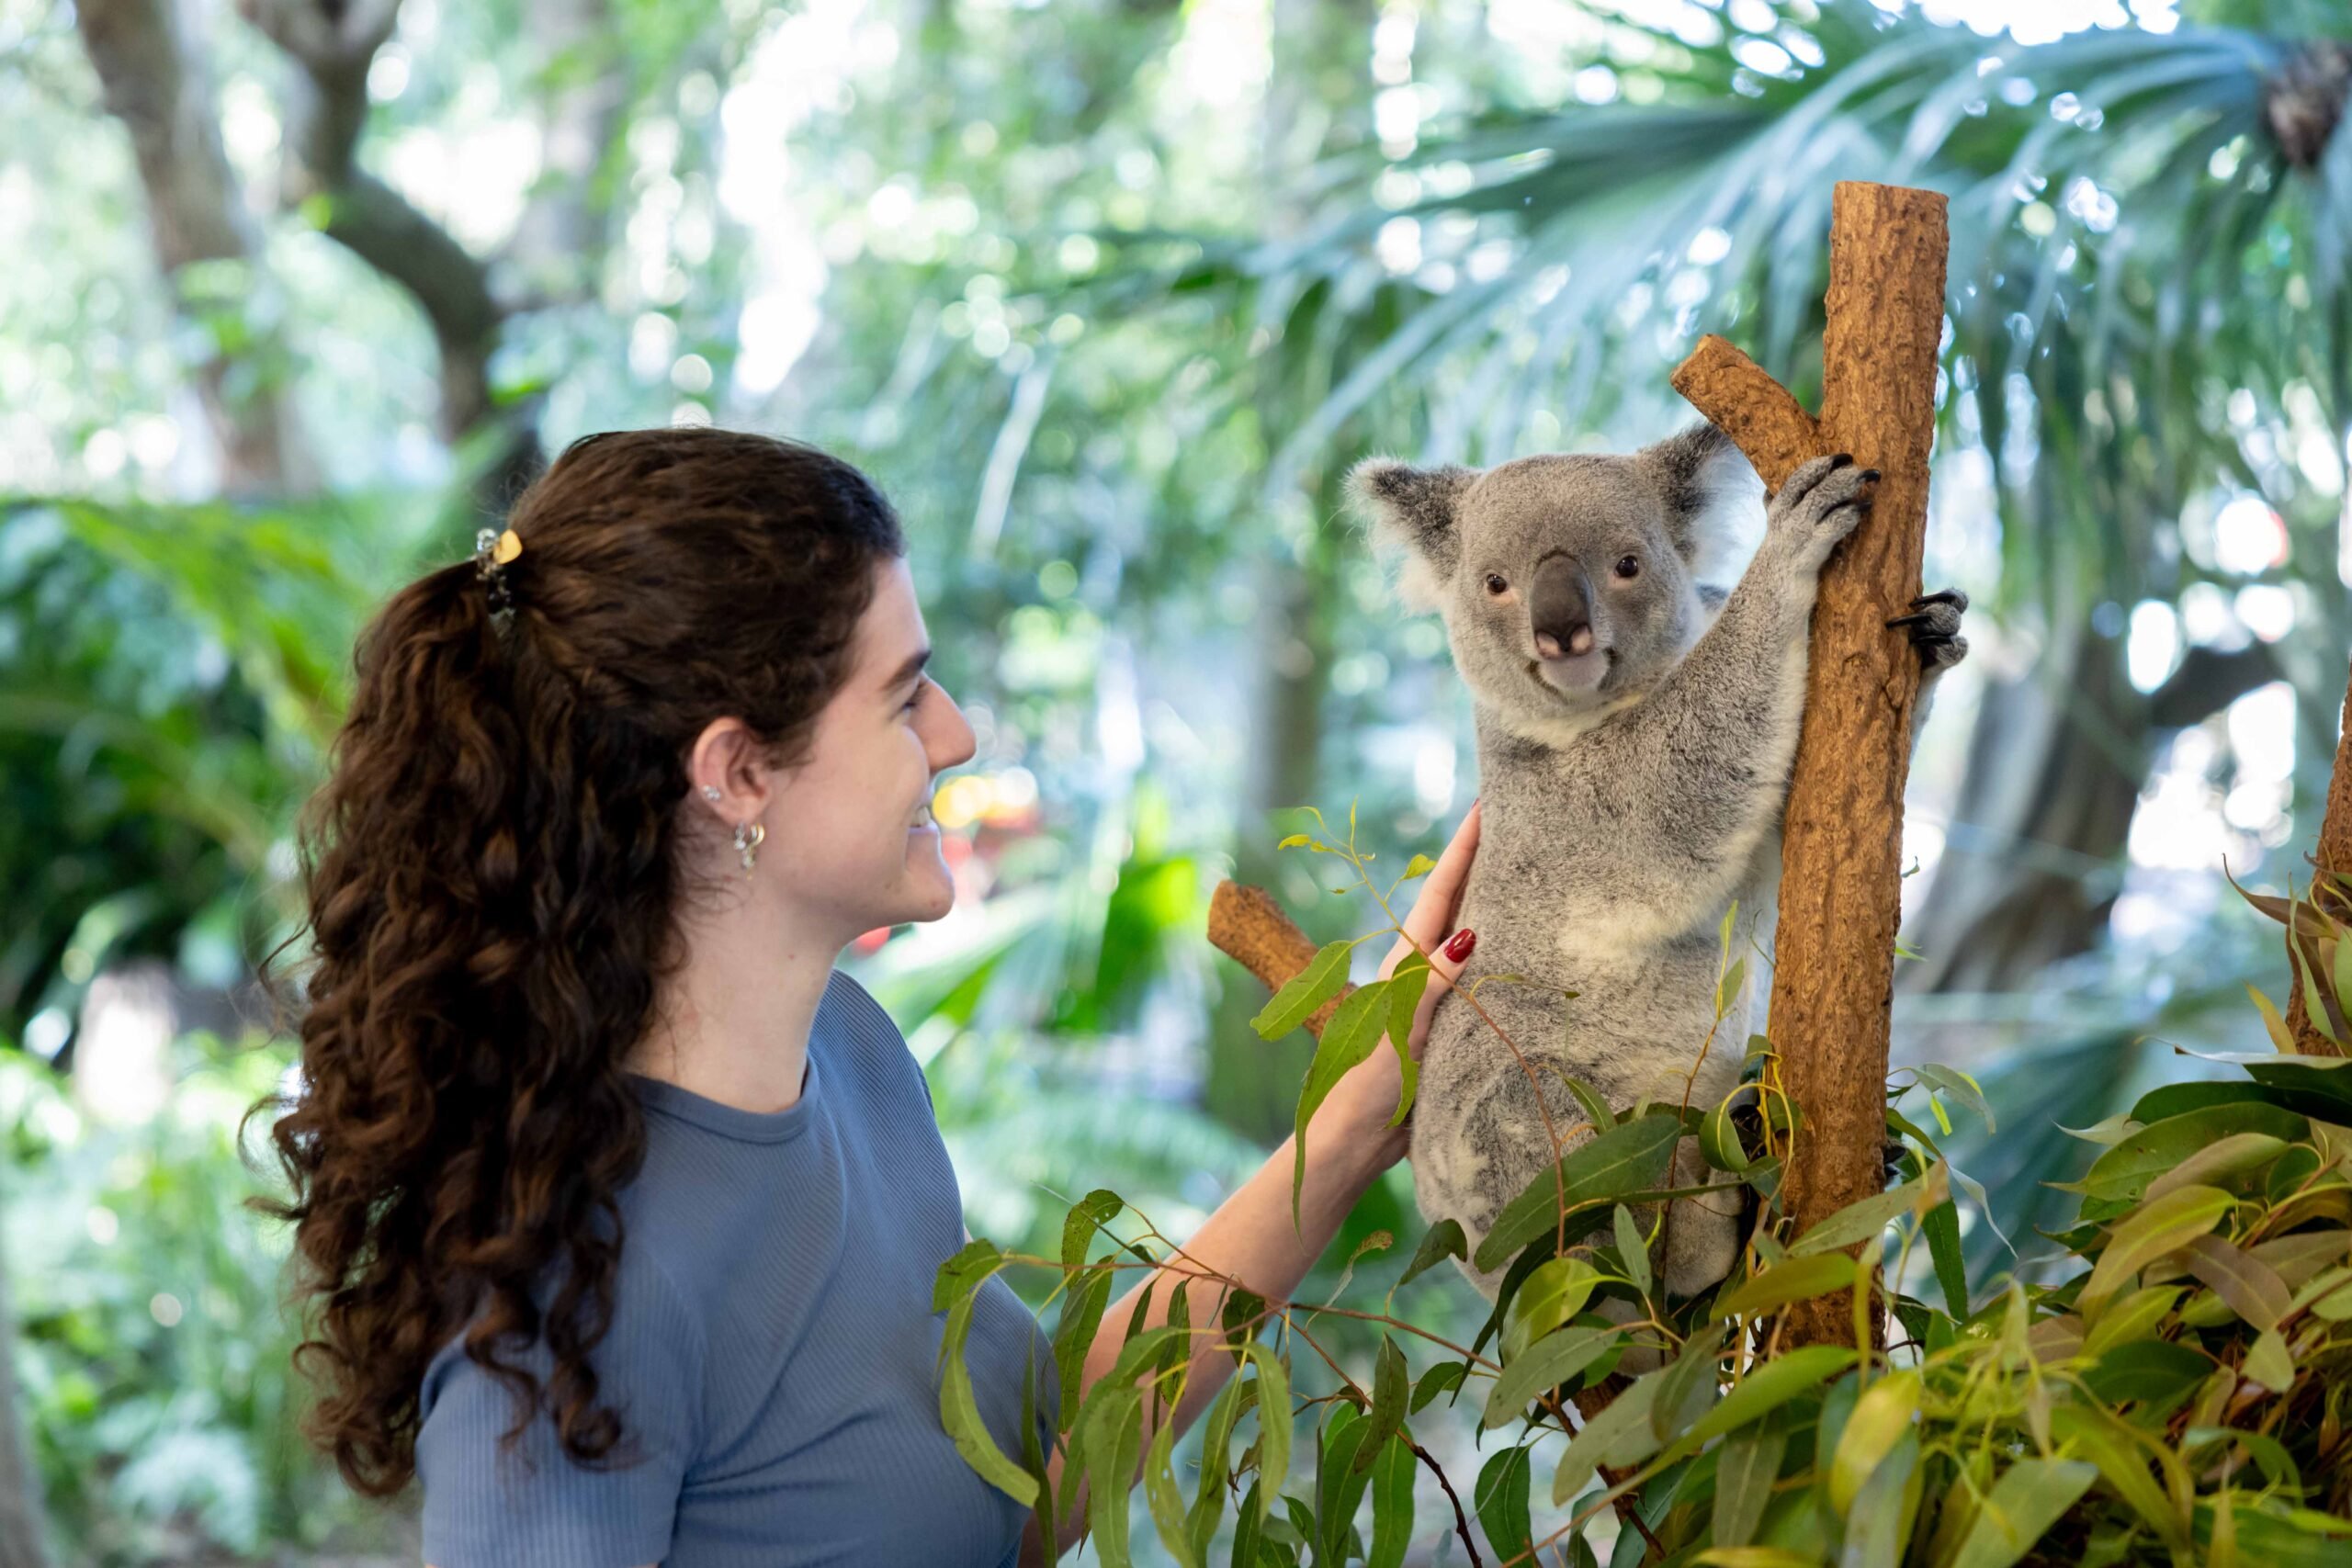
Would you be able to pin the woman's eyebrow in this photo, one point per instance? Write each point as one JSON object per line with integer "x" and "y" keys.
{"x": 910, "y": 670}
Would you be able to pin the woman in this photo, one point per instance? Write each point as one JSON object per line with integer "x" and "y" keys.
{"x": 619, "y": 1205}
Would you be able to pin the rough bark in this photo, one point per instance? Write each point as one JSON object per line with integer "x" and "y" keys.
{"x": 2334, "y": 855}
{"x": 156, "y": 80}
{"x": 334, "y": 44}
{"x": 1840, "y": 879}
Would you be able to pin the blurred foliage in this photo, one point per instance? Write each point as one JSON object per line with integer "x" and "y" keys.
{"x": 153, "y": 1356}
{"x": 1107, "y": 295}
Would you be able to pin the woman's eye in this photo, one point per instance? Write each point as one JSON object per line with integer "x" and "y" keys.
{"x": 1495, "y": 583}
{"x": 1628, "y": 567}
{"x": 920, "y": 683}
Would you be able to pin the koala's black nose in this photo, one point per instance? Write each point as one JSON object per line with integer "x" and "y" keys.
{"x": 1559, "y": 607}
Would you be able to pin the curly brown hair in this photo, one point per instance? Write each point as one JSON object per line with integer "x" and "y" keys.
{"x": 493, "y": 872}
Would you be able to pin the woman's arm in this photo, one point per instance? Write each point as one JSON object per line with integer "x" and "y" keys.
{"x": 1248, "y": 1238}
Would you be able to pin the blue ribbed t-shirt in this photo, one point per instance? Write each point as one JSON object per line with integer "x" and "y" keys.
{"x": 773, "y": 1352}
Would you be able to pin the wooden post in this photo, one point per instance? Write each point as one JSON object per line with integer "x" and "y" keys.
{"x": 2334, "y": 855}
{"x": 1841, "y": 848}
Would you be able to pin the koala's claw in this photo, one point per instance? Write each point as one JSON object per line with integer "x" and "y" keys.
{"x": 1821, "y": 502}
{"x": 1935, "y": 628}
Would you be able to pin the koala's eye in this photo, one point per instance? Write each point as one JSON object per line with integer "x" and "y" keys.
{"x": 1495, "y": 583}
{"x": 1628, "y": 567}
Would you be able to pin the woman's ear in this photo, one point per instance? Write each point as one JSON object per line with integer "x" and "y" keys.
{"x": 1413, "y": 516}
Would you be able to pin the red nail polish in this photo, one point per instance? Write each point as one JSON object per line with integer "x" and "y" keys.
{"x": 1459, "y": 948}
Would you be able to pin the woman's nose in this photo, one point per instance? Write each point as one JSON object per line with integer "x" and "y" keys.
{"x": 955, "y": 742}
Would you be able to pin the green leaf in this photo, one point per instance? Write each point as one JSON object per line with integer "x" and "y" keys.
{"x": 1768, "y": 1385}
{"x": 1862, "y": 1220}
{"x": 1633, "y": 1250}
{"x": 2252, "y": 1287}
{"x": 1295, "y": 840}
{"x": 1550, "y": 1362}
{"x": 1419, "y": 867}
{"x": 1082, "y": 1308}
{"x": 966, "y": 1271}
{"x": 1727, "y": 984}
{"x": 1392, "y": 1504}
{"x": 1556, "y": 1293}
{"x": 1881, "y": 1418}
{"x": 1442, "y": 1240}
{"x": 1941, "y": 1224}
{"x": 2133, "y": 1317}
{"x": 1596, "y": 1110}
{"x": 1117, "y": 1441}
{"x": 1626, "y": 1417}
{"x": 1340, "y": 1482}
{"x": 960, "y": 1412}
{"x": 1719, "y": 1139}
{"x": 2123, "y": 1465}
{"x": 2026, "y": 1500}
{"x": 1086, "y": 1216}
{"x": 1798, "y": 1279}
{"x": 1405, "y": 992}
{"x": 2269, "y": 1363}
{"x": 1166, "y": 1502}
{"x": 1502, "y": 1505}
{"x": 1308, "y": 989}
{"x": 2271, "y": 1020}
{"x": 2153, "y": 1371}
{"x": 1625, "y": 1158}
{"x": 1750, "y": 1463}
{"x": 1689, "y": 1386}
{"x": 1274, "y": 1417}
{"x": 2220, "y": 1163}
{"x": 1391, "y": 1385}
{"x": 1354, "y": 1030}
{"x": 1442, "y": 1378}
{"x": 1216, "y": 1441}
{"x": 1877, "y": 1521}
{"x": 2157, "y": 1226}
{"x": 2125, "y": 1171}
{"x": 1960, "y": 1086}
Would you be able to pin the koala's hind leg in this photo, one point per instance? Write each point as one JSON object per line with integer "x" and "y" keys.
{"x": 1701, "y": 1241}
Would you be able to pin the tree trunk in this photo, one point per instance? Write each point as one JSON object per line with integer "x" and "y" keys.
{"x": 2335, "y": 855}
{"x": 1841, "y": 842}
{"x": 156, "y": 81}
{"x": 20, "y": 1527}
{"x": 1250, "y": 1087}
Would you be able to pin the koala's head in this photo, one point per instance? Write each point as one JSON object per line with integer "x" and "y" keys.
{"x": 1569, "y": 583}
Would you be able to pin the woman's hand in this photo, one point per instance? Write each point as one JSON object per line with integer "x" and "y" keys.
{"x": 1362, "y": 1104}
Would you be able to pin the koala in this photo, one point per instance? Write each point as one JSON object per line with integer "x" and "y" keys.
{"x": 1636, "y": 730}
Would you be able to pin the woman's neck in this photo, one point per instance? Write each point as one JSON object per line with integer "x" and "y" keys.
{"x": 732, "y": 1023}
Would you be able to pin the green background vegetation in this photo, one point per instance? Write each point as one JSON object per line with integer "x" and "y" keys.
{"x": 1107, "y": 295}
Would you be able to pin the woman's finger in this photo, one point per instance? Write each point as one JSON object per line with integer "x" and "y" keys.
{"x": 1446, "y": 962}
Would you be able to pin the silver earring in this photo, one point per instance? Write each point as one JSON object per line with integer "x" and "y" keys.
{"x": 747, "y": 837}
{"x": 710, "y": 792}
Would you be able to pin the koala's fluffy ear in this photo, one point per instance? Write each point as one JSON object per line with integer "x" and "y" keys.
{"x": 1714, "y": 498}
{"x": 1411, "y": 513}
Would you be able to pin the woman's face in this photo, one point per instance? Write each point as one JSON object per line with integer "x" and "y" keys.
{"x": 859, "y": 850}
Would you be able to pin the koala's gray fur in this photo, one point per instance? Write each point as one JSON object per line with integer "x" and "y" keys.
{"x": 1634, "y": 736}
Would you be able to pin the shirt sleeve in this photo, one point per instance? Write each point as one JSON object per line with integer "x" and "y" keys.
{"x": 535, "y": 1506}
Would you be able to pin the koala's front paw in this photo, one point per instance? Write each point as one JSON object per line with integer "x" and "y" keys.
{"x": 1819, "y": 505}
{"x": 1935, "y": 631}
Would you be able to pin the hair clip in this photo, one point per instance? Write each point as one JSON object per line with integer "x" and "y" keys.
{"x": 492, "y": 550}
